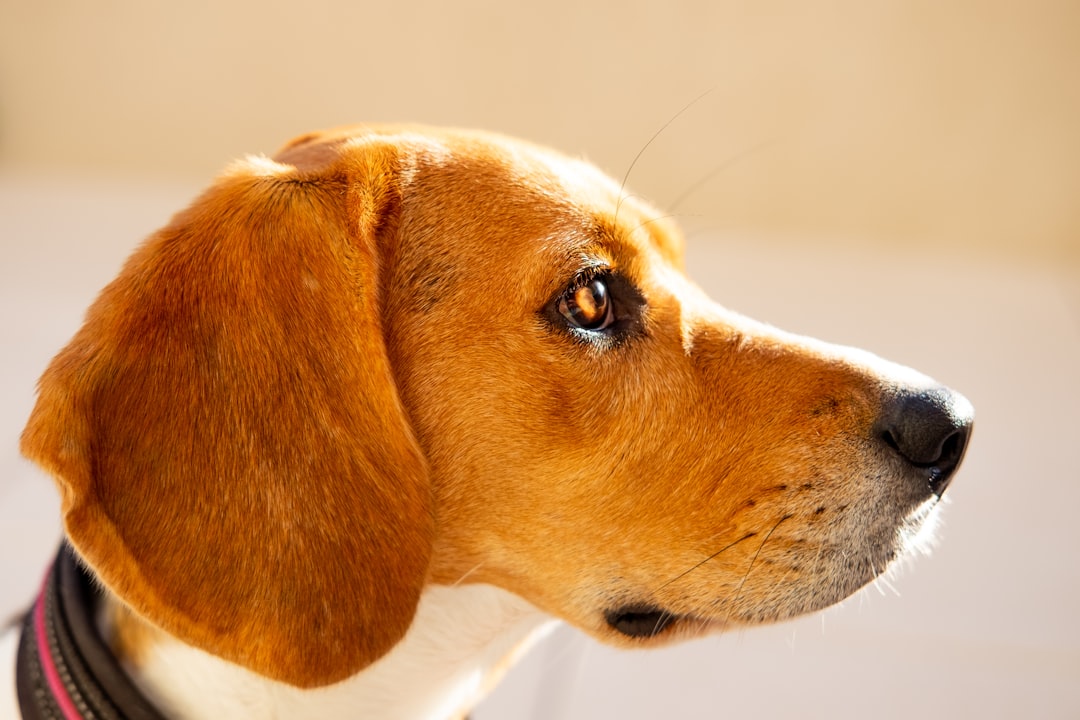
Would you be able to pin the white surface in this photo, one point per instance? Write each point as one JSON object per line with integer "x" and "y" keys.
{"x": 985, "y": 628}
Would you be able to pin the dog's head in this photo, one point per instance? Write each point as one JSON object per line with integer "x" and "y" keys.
{"x": 393, "y": 357}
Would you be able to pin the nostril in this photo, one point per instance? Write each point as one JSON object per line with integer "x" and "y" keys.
{"x": 930, "y": 430}
{"x": 887, "y": 437}
{"x": 940, "y": 471}
{"x": 953, "y": 447}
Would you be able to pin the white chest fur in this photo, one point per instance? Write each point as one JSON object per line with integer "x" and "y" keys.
{"x": 461, "y": 640}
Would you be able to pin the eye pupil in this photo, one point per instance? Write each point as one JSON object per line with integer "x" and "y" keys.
{"x": 587, "y": 307}
{"x": 591, "y": 299}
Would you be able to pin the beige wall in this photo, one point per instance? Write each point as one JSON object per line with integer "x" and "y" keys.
{"x": 951, "y": 126}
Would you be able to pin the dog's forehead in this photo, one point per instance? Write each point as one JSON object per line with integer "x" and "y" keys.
{"x": 504, "y": 166}
{"x": 618, "y": 220}
{"x": 572, "y": 204}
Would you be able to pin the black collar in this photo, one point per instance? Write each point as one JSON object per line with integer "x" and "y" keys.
{"x": 64, "y": 669}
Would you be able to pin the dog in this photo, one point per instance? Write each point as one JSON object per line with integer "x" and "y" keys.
{"x": 368, "y": 416}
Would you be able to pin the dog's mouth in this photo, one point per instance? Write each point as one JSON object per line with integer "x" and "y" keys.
{"x": 806, "y": 570}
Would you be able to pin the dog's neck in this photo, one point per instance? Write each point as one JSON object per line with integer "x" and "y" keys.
{"x": 462, "y": 639}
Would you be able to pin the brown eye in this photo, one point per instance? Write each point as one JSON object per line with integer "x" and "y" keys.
{"x": 587, "y": 306}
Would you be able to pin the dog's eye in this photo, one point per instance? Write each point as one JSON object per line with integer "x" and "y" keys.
{"x": 587, "y": 306}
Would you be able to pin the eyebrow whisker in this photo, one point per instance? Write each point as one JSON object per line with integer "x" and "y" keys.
{"x": 626, "y": 176}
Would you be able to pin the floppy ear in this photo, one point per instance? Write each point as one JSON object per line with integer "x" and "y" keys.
{"x": 233, "y": 458}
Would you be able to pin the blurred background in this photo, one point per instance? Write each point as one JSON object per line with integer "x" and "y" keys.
{"x": 902, "y": 176}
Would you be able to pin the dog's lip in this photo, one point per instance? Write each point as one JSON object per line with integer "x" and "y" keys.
{"x": 646, "y": 621}
{"x": 639, "y": 620}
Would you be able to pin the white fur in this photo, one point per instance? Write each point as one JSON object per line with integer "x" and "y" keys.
{"x": 461, "y": 639}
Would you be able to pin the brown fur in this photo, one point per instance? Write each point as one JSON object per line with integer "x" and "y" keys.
{"x": 331, "y": 381}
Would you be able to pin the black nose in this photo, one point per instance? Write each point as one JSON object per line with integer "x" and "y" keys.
{"x": 929, "y": 428}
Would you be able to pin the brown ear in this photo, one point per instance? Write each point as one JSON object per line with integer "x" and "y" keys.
{"x": 233, "y": 458}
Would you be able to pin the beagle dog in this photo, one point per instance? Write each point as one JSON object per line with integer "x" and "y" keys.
{"x": 369, "y": 415}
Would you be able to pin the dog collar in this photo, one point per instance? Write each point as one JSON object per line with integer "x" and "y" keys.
{"x": 64, "y": 669}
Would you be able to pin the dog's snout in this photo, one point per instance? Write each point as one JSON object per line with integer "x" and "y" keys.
{"x": 929, "y": 428}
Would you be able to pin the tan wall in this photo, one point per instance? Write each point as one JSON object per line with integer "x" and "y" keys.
{"x": 952, "y": 125}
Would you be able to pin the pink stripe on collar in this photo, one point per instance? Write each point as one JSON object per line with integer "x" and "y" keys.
{"x": 52, "y": 676}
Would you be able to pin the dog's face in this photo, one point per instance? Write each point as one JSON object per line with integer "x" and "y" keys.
{"x": 609, "y": 443}
{"x": 449, "y": 357}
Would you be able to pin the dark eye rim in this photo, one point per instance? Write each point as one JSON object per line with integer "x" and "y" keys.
{"x": 626, "y": 307}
